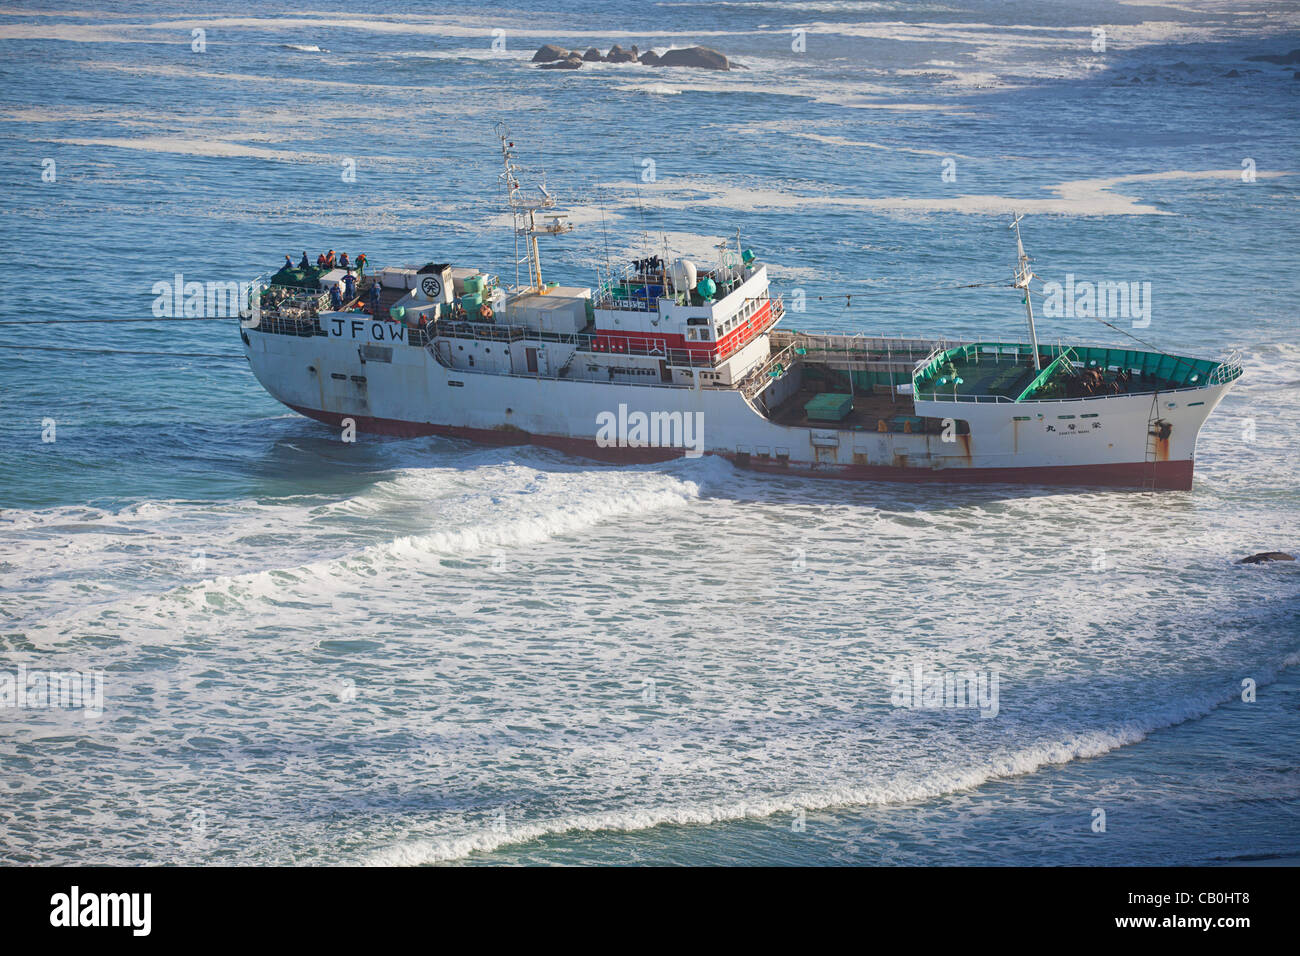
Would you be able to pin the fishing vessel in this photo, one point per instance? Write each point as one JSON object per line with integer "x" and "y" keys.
{"x": 663, "y": 358}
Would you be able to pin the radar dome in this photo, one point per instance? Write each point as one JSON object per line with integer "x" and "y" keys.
{"x": 683, "y": 273}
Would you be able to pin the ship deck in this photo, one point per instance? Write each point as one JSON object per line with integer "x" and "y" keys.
{"x": 869, "y": 409}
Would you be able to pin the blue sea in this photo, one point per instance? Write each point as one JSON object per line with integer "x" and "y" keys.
{"x": 427, "y": 652}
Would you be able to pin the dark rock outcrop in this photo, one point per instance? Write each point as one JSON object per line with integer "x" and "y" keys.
{"x": 549, "y": 53}
{"x": 571, "y": 62}
{"x": 699, "y": 57}
{"x": 553, "y": 57}
{"x": 1285, "y": 59}
{"x": 1267, "y": 556}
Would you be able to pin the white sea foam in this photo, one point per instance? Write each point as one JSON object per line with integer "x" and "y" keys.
{"x": 506, "y": 622}
{"x": 998, "y": 765}
{"x": 552, "y": 507}
{"x": 1083, "y": 197}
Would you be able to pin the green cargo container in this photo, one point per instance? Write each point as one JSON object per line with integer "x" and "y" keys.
{"x": 829, "y": 406}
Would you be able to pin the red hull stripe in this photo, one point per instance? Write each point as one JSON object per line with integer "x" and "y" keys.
{"x": 1163, "y": 475}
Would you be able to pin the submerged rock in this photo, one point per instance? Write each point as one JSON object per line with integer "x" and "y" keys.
{"x": 571, "y": 62}
{"x": 1284, "y": 59}
{"x": 699, "y": 57}
{"x": 550, "y": 52}
{"x": 650, "y": 58}
{"x": 592, "y": 55}
{"x": 1267, "y": 556}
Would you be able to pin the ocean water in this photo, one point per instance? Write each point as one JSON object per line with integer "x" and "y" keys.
{"x": 423, "y": 651}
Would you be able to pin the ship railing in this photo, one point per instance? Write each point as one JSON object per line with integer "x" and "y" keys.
{"x": 628, "y": 274}
{"x": 581, "y": 342}
{"x": 978, "y": 399}
{"x": 687, "y": 358}
{"x": 285, "y": 301}
{"x": 775, "y": 367}
{"x": 949, "y": 397}
{"x": 859, "y": 343}
{"x": 253, "y": 306}
{"x": 862, "y": 349}
{"x": 1229, "y": 370}
{"x": 283, "y": 310}
{"x": 483, "y": 331}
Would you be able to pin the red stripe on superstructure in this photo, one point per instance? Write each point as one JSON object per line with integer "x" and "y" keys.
{"x": 609, "y": 340}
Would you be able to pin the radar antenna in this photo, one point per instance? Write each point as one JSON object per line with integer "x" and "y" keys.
{"x": 525, "y": 204}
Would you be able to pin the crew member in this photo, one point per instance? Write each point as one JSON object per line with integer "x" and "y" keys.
{"x": 343, "y": 261}
{"x": 304, "y": 264}
{"x": 375, "y": 288}
{"x": 288, "y": 261}
{"x": 350, "y": 286}
{"x": 336, "y": 301}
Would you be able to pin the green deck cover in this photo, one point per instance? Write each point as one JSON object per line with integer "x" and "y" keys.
{"x": 829, "y": 406}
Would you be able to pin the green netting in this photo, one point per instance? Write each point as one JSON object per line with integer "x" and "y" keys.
{"x": 308, "y": 278}
{"x": 1002, "y": 369}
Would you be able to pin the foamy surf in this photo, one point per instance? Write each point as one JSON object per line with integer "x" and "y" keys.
{"x": 525, "y": 507}
{"x": 1084, "y": 745}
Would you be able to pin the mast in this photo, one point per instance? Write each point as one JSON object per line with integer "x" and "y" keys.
{"x": 524, "y": 206}
{"x": 1023, "y": 275}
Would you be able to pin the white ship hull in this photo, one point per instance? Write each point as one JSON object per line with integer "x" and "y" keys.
{"x": 405, "y": 389}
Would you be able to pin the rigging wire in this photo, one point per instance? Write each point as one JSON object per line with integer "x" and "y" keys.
{"x": 850, "y": 296}
{"x": 1145, "y": 345}
{"x": 68, "y": 348}
{"x": 186, "y": 318}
